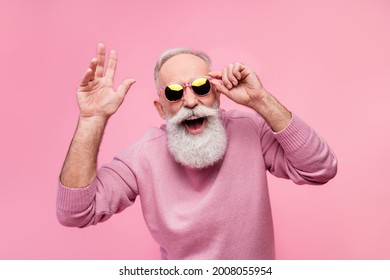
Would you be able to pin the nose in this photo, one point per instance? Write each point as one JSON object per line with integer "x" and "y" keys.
{"x": 190, "y": 100}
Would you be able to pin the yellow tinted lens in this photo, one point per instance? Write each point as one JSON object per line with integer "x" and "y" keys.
{"x": 201, "y": 86}
{"x": 175, "y": 87}
{"x": 199, "y": 82}
{"x": 174, "y": 92}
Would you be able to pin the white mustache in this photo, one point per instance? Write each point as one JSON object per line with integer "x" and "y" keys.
{"x": 200, "y": 111}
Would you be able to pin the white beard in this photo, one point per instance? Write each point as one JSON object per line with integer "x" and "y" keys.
{"x": 196, "y": 150}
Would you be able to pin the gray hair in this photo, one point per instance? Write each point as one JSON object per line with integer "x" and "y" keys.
{"x": 168, "y": 54}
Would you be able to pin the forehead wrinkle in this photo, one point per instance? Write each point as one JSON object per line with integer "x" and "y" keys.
{"x": 182, "y": 68}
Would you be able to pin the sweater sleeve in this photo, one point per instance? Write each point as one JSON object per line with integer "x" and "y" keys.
{"x": 113, "y": 190}
{"x": 298, "y": 153}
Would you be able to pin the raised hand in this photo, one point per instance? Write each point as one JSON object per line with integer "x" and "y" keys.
{"x": 239, "y": 83}
{"x": 95, "y": 94}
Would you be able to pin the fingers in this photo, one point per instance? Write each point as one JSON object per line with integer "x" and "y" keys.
{"x": 232, "y": 75}
{"x": 89, "y": 75}
{"x": 219, "y": 86}
{"x": 125, "y": 86}
{"x": 93, "y": 66}
{"x": 96, "y": 70}
{"x": 110, "y": 73}
{"x": 220, "y": 81}
{"x": 215, "y": 74}
{"x": 96, "y": 66}
{"x": 100, "y": 60}
{"x": 85, "y": 79}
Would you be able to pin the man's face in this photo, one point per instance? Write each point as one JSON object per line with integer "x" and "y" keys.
{"x": 195, "y": 132}
{"x": 183, "y": 68}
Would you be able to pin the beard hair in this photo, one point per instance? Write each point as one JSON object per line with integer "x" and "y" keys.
{"x": 197, "y": 150}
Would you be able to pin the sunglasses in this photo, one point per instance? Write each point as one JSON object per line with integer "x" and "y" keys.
{"x": 175, "y": 91}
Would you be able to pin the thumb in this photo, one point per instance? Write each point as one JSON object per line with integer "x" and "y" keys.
{"x": 125, "y": 86}
{"x": 219, "y": 86}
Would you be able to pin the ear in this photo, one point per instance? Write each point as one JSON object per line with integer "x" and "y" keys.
{"x": 217, "y": 96}
{"x": 159, "y": 108}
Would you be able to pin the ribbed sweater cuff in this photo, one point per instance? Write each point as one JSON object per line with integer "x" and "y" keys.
{"x": 75, "y": 199}
{"x": 294, "y": 136}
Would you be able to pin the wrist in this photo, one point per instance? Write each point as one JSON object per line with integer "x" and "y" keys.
{"x": 93, "y": 120}
{"x": 261, "y": 103}
{"x": 275, "y": 114}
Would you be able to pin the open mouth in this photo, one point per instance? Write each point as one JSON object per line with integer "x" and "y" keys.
{"x": 195, "y": 125}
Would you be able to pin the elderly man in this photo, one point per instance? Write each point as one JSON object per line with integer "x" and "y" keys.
{"x": 201, "y": 177}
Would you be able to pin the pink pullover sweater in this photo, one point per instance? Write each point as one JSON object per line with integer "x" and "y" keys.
{"x": 221, "y": 212}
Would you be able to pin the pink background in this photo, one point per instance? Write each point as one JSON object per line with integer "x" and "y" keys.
{"x": 328, "y": 61}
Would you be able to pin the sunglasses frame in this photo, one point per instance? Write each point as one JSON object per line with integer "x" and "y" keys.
{"x": 185, "y": 85}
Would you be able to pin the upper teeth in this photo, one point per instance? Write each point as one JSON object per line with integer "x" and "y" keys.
{"x": 192, "y": 118}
